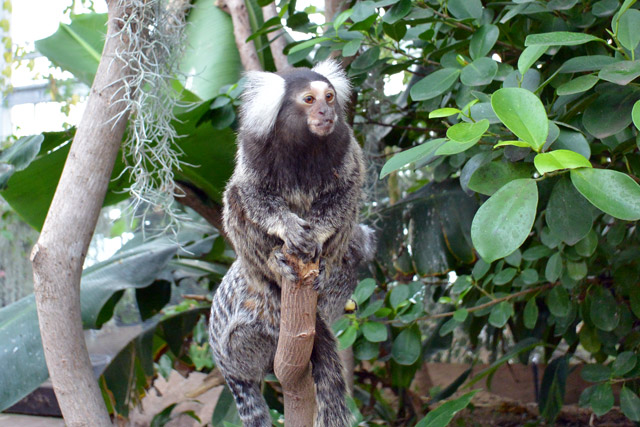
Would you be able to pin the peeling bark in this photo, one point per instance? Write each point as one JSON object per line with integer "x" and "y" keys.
{"x": 59, "y": 254}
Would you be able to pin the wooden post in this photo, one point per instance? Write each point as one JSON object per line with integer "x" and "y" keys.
{"x": 295, "y": 343}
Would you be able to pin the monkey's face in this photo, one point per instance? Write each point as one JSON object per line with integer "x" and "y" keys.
{"x": 318, "y": 101}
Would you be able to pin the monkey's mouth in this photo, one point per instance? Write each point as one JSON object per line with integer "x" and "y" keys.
{"x": 321, "y": 127}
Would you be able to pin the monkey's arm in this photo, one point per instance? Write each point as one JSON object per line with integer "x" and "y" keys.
{"x": 269, "y": 212}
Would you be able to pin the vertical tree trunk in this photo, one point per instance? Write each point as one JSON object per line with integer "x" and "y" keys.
{"x": 297, "y": 333}
{"x": 242, "y": 31}
{"x": 276, "y": 40}
{"x": 59, "y": 254}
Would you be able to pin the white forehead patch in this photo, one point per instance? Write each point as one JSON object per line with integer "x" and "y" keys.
{"x": 332, "y": 70}
{"x": 319, "y": 86}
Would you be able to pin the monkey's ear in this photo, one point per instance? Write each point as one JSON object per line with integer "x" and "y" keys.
{"x": 332, "y": 70}
{"x": 262, "y": 98}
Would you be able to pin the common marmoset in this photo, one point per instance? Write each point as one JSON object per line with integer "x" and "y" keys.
{"x": 297, "y": 184}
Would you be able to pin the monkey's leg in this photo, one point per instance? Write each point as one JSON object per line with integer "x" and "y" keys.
{"x": 327, "y": 374}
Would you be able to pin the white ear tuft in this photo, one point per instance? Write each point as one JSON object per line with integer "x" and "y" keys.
{"x": 261, "y": 101}
{"x": 332, "y": 70}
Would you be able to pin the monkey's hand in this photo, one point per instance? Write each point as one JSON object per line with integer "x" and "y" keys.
{"x": 279, "y": 265}
{"x": 300, "y": 240}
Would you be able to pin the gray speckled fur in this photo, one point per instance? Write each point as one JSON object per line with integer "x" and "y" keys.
{"x": 288, "y": 186}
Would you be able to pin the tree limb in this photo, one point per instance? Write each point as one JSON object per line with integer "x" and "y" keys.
{"x": 198, "y": 201}
{"x": 59, "y": 254}
{"x": 276, "y": 40}
{"x": 295, "y": 343}
{"x": 242, "y": 31}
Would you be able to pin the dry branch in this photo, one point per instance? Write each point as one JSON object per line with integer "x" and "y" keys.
{"x": 59, "y": 254}
{"x": 295, "y": 343}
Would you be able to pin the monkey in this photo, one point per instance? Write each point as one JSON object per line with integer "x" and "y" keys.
{"x": 297, "y": 184}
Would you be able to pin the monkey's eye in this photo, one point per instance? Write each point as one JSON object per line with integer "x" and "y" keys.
{"x": 330, "y": 96}
{"x": 309, "y": 99}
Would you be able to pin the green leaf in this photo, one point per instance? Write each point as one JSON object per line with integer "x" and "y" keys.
{"x": 624, "y": 363}
{"x": 581, "y": 64}
{"x": 604, "y": 310}
{"x": 209, "y": 30}
{"x": 396, "y": 31}
{"x": 568, "y": 214}
{"x": 443, "y": 112}
{"x": 483, "y": 40}
{"x": 558, "y": 160}
{"x": 412, "y": 155}
{"x": 577, "y": 85}
{"x": 407, "y": 346}
{"x": 463, "y": 9}
{"x": 317, "y": 40}
{"x": 348, "y": 337}
{"x": 628, "y": 25}
{"x": 635, "y": 114}
{"x": 342, "y": 18}
{"x": 443, "y": 414}
{"x": 521, "y": 144}
{"x": 604, "y": 8}
{"x": 480, "y": 72}
{"x": 490, "y": 177}
{"x": 434, "y": 84}
{"x": 530, "y": 315}
{"x": 77, "y": 47}
{"x": 460, "y": 315}
{"x": 595, "y": 372}
{"x": 529, "y": 56}
{"x": 610, "y": 113}
{"x": 573, "y": 141}
{"x": 611, "y": 191}
{"x": 630, "y": 404}
{"x": 466, "y": 132}
{"x": 397, "y": 12}
{"x": 559, "y": 38}
{"x": 22, "y": 152}
{"x": 448, "y": 327}
{"x": 364, "y": 290}
{"x": 500, "y": 314}
{"x": 553, "y": 270}
{"x": 587, "y": 246}
{"x": 523, "y": 113}
{"x": 620, "y": 73}
{"x": 462, "y": 283}
{"x": 374, "y": 331}
{"x": 552, "y": 388}
{"x": 601, "y": 399}
{"x": 398, "y": 295}
{"x": 455, "y": 147}
{"x": 20, "y": 349}
{"x": 558, "y": 301}
{"x": 504, "y": 221}
{"x": 365, "y": 350}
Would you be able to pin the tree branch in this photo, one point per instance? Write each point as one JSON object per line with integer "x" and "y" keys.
{"x": 295, "y": 343}
{"x": 198, "y": 201}
{"x": 242, "y": 31}
{"x": 59, "y": 254}
{"x": 276, "y": 39}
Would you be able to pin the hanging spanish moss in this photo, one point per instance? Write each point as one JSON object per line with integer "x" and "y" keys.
{"x": 153, "y": 32}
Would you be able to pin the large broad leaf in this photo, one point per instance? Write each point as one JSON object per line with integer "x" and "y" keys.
{"x": 630, "y": 404}
{"x": 211, "y": 59}
{"x": 480, "y": 72}
{"x": 20, "y": 352}
{"x": 18, "y": 156}
{"x": 463, "y": 9}
{"x": 529, "y": 56}
{"x": 613, "y": 192}
{"x": 577, "y": 85}
{"x": 580, "y": 64}
{"x": 523, "y": 113}
{"x": 568, "y": 214}
{"x": 77, "y": 47}
{"x": 611, "y": 111}
{"x": 30, "y": 191}
{"x": 20, "y": 343}
{"x": 504, "y": 221}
